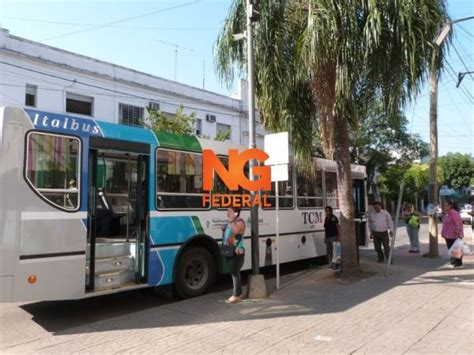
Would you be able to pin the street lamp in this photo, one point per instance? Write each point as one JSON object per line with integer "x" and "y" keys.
{"x": 444, "y": 31}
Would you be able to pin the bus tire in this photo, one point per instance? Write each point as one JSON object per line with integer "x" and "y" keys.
{"x": 195, "y": 272}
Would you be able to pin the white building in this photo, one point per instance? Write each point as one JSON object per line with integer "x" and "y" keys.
{"x": 57, "y": 81}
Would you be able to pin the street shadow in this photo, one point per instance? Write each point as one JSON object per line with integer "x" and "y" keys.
{"x": 60, "y": 316}
{"x": 301, "y": 294}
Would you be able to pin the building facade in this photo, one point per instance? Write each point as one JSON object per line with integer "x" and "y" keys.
{"x": 34, "y": 75}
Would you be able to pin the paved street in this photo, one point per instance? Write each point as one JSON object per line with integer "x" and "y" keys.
{"x": 423, "y": 306}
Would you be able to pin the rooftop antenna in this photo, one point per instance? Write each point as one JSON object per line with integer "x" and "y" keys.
{"x": 176, "y": 48}
{"x": 204, "y": 75}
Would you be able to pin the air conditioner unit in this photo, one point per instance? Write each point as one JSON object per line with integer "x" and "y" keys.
{"x": 210, "y": 118}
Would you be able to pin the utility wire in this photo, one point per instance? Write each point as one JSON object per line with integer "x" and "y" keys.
{"x": 457, "y": 109}
{"x": 462, "y": 61}
{"x": 117, "y": 27}
{"x": 121, "y": 21}
{"x": 465, "y": 31}
{"x": 467, "y": 93}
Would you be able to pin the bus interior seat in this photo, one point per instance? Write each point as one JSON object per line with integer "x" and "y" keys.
{"x": 108, "y": 223}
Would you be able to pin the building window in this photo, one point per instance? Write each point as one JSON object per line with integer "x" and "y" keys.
{"x": 131, "y": 115}
{"x": 80, "y": 104}
{"x": 53, "y": 168}
{"x": 285, "y": 192}
{"x": 30, "y": 95}
{"x": 198, "y": 127}
{"x": 223, "y": 130}
{"x": 154, "y": 106}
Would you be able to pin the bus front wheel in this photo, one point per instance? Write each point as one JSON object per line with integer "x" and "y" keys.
{"x": 195, "y": 273}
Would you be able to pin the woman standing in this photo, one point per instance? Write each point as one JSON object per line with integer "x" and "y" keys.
{"x": 412, "y": 221}
{"x": 452, "y": 228}
{"x": 233, "y": 236}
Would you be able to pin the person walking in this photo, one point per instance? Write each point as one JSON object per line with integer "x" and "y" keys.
{"x": 233, "y": 235}
{"x": 412, "y": 220}
{"x": 452, "y": 228}
{"x": 381, "y": 228}
{"x": 331, "y": 229}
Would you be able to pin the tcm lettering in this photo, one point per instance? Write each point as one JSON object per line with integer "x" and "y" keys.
{"x": 312, "y": 217}
{"x": 235, "y": 175}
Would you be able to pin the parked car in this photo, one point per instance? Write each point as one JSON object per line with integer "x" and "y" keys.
{"x": 466, "y": 214}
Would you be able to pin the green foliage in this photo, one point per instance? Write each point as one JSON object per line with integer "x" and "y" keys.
{"x": 389, "y": 182}
{"x": 380, "y": 140}
{"x": 317, "y": 60}
{"x": 415, "y": 177}
{"x": 180, "y": 123}
{"x": 458, "y": 169}
{"x": 222, "y": 136}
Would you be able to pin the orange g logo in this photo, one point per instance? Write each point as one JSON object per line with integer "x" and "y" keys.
{"x": 234, "y": 176}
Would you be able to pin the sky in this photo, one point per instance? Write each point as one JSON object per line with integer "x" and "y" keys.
{"x": 144, "y": 35}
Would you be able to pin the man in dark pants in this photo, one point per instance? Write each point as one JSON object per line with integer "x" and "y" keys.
{"x": 331, "y": 228}
{"x": 381, "y": 226}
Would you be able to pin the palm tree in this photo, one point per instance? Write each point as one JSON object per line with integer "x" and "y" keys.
{"x": 319, "y": 63}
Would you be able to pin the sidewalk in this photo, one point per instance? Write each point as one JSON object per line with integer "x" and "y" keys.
{"x": 421, "y": 307}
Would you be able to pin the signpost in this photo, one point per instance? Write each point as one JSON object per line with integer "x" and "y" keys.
{"x": 276, "y": 146}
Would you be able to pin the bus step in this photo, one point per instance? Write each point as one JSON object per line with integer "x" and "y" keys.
{"x": 117, "y": 263}
{"x": 113, "y": 279}
{"x": 108, "y": 250}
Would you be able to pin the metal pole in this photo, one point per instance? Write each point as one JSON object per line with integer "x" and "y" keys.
{"x": 433, "y": 180}
{"x": 277, "y": 238}
{"x": 397, "y": 215}
{"x": 252, "y": 144}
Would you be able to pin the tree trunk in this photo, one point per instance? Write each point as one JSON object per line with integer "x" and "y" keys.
{"x": 349, "y": 258}
{"x": 433, "y": 184}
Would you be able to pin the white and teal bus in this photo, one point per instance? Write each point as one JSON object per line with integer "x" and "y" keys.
{"x": 90, "y": 208}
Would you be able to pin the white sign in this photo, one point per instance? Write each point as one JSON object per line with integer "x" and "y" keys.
{"x": 276, "y": 146}
{"x": 280, "y": 172}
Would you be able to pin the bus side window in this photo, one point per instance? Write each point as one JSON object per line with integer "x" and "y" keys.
{"x": 178, "y": 180}
{"x": 310, "y": 190}
{"x": 285, "y": 192}
{"x": 332, "y": 198}
{"x": 53, "y": 168}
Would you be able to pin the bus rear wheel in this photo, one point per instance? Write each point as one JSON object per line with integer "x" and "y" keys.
{"x": 195, "y": 273}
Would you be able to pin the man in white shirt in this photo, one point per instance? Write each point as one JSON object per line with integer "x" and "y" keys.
{"x": 380, "y": 225}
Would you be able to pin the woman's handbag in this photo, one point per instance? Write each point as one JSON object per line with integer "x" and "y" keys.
{"x": 227, "y": 250}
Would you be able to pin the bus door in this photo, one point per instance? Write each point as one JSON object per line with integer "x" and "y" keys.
{"x": 118, "y": 208}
